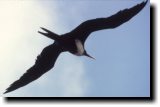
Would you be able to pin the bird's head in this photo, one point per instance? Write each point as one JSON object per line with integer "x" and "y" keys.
{"x": 86, "y": 54}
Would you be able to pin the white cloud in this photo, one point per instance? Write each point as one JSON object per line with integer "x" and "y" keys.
{"x": 20, "y": 44}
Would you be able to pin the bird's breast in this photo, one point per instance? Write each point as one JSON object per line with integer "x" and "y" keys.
{"x": 79, "y": 47}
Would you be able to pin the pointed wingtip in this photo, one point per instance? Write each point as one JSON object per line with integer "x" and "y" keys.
{"x": 6, "y": 92}
{"x": 145, "y": 2}
{"x": 11, "y": 88}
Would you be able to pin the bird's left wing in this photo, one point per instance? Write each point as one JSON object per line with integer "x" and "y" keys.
{"x": 87, "y": 27}
{"x": 45, "y": 61}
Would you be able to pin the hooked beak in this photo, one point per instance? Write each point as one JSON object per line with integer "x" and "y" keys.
{"x": 89, "y": 56}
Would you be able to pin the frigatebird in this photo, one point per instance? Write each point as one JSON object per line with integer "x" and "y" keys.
{"x": 72, "y": 42}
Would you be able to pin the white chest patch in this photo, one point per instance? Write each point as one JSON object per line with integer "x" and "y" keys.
{"x": 80, "y": 48}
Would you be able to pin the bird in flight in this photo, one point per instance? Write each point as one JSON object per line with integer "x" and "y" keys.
{"x": 72, "y": 42}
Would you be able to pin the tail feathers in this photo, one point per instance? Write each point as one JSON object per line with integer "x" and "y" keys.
{"x": 49, "y": 34}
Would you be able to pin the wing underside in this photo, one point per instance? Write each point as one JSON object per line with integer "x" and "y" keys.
{"x": 87, "y": 27}
{"x": 45, "y": 61}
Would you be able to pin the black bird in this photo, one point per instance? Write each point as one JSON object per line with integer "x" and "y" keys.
{"x": 72, "y": 42}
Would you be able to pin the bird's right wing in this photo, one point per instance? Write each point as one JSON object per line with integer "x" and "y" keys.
{"x": 87, "y": 27}
{"x": 45, "y": 61}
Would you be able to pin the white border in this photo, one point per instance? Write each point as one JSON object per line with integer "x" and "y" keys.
{"x": 113, "y": 104}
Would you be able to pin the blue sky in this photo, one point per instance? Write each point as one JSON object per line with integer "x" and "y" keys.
{"x": 122, "y": 65}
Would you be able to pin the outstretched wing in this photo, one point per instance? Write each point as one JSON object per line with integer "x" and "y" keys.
{"x": 84, "y": 29}
{"x": 45, "y": 61}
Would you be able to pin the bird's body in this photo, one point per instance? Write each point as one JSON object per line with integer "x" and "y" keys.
{"x": 72, "y": 42}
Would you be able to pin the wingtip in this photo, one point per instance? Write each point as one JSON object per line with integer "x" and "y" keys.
{"x": 142, "y": 4}
{"x": 145, "y": 2}
{"x": 6, "y": 92}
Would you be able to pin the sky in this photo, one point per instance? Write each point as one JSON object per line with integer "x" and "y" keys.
{"x": 122, "y": 65}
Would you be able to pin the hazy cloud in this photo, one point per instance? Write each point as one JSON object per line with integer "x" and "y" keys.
{"x": 20, "y": 44}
